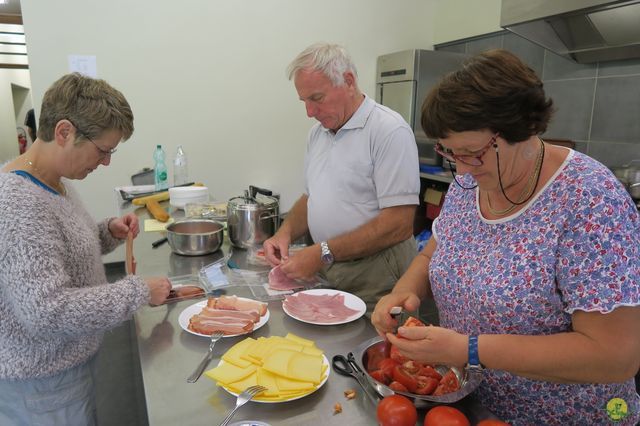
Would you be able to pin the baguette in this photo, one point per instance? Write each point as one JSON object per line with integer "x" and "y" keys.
{"x": 157, "y": 211}
{"x": 160, "y": 196}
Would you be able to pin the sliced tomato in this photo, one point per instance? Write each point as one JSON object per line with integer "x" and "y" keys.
{"x": 426, "y": 385}
{"x": 429, "y": 371}
{"x": 396, "y": 356}
{"x": 387, "y": 365}
{"x": 380, "y": 376}
{"x": 448, "y": 383}
{"x": 411, "y": 367}
{"x": 402, "y": 376}
{"x": 413, "y": 322}
{"x": 398, "y": 387}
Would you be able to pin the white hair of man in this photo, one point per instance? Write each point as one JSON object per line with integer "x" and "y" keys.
{"x": 331, "y": 59}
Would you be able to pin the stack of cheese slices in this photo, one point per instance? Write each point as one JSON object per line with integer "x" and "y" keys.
{"x": 289, "y": 367}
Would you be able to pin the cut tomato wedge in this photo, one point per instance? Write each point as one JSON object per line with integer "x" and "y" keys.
{"x": 400, "y": 375}
{"x": 449, "y": 383}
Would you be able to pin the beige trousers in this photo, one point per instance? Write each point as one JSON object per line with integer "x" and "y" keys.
{"x": 372, "y": 277}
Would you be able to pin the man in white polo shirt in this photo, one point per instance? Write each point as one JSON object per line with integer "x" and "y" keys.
{"x": 362, "y": 183}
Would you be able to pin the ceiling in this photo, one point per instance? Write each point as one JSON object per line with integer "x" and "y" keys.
{"x": 10, "y": 12}
{"x": 13, "y": 47}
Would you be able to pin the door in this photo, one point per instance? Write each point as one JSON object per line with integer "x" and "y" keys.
{"x": 399, "y": 96}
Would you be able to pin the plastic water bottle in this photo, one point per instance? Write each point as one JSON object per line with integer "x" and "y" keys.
{"x": 160, "y": 173}
{"x": 180, "y": 171}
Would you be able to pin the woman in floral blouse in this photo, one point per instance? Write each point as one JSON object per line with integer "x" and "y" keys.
{"x": 534, "y": 262}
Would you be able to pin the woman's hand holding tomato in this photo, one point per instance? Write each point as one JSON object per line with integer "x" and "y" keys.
{"x": 431, "y": 345}
{"x": 380, "y": 318}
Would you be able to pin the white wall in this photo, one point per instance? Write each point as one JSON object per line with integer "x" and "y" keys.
{"x": 458, "y": 19}
{"x": 11, "y": 80}
{"x": 210, "y": 74}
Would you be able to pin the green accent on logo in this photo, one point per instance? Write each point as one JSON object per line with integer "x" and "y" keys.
{"x": 617, "y": 409}
{"x": 162, "y": 175}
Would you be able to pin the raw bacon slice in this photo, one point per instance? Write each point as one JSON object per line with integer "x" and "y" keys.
{"x": 229, "y": 314}
{"x": 206, "y": 325}
{"x": 234, "y": 303}
{"x": 323, "y": 308}
{"x": 279, "y": 281}
{"x": 252, "y": 316}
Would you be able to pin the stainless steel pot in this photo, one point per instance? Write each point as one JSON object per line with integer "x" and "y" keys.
{"x": 251, "y": 220}
{"x": 629, "y": 175}
{"x": 468, "y": 378}
{"x": 195, "y": 237}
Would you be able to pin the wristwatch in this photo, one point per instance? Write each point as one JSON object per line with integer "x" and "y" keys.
{"x": 474, "y": 358}
{"x": 326, "y": 256}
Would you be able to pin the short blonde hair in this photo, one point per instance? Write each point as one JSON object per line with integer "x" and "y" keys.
{"x": 92, "y": 105}
{"x": 332, "y": 59}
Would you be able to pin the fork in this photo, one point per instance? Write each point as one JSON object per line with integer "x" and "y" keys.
{"x": 217, "y": 335}
{"x": 242, "y": 399}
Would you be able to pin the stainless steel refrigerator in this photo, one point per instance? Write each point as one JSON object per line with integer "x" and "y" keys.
{"x": 403, "y": 80}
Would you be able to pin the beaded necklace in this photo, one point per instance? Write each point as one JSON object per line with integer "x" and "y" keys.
{"x": 527, "y": 192}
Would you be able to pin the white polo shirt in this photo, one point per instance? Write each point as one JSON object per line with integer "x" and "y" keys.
{"x": 369, "y": 164}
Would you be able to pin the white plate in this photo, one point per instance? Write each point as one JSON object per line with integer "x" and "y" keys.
{"x": 325, "y": 362}
{"x": 196, "y": 308}
{"x": 350, "y": 300}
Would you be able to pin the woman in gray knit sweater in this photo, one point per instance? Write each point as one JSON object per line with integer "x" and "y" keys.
{"x": 55, "y": 302}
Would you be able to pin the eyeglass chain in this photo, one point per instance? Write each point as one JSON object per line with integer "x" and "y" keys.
{"x": 527, "y": 192}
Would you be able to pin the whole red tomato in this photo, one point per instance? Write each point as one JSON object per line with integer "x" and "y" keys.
{"x": 444, "y": 415}
{"x": 396, "y": 410}
{"x": 492, "y": 422}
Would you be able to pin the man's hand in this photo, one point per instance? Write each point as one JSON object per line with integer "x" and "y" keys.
{"x": 304, "y": 265}
{"x": 120, "y": 226}
{"x": 276, "y": 249}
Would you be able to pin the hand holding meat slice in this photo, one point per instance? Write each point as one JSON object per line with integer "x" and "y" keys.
{"x": 280, "y": 282}
{"x": 159, "y": 288}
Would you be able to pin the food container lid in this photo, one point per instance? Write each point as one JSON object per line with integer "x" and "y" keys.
{"x": 249, "y": 203}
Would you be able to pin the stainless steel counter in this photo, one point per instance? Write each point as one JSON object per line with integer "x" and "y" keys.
{"x": 168, "y": 355}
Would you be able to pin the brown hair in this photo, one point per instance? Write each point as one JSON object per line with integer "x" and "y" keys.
{"x": 494, "y": 90}
{"x": 92, "y": 105}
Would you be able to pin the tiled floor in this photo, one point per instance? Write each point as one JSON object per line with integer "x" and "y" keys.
{"x": 120, "y": 394}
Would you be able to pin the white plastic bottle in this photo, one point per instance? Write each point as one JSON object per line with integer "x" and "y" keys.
{"x": 180, "y": 170}
{"x": 160, "y": 167}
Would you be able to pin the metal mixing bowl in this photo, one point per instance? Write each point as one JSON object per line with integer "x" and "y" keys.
{"x": 195, "y": 237}
{"x": 468, "y": 378}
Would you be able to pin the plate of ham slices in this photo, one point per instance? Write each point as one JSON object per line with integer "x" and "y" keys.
{"x": 324, "y": 306}
{"x": 233, "y": 315}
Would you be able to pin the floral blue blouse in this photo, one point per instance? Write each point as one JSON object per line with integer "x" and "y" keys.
{"x": 575, "y": 246}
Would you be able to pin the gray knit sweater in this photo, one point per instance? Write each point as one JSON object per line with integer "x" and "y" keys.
{"x": 55, "y": 302}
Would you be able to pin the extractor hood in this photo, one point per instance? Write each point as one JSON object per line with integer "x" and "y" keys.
{"x": 583, "y": 30}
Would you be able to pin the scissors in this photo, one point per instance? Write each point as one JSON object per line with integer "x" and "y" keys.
{"x": 348, "y": 367}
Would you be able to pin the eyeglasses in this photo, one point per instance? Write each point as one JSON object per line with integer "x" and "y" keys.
{"x": 469, "y": 160}
{"x": 103, "y": 152}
